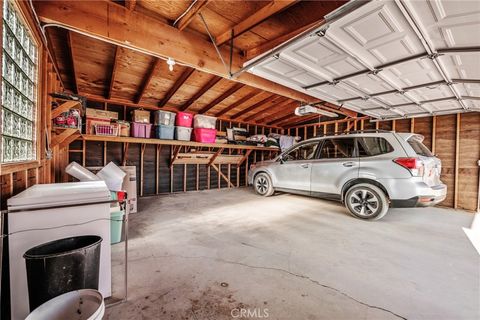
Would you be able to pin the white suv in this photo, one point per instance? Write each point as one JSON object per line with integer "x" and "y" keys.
{"x": 369, "y": 171}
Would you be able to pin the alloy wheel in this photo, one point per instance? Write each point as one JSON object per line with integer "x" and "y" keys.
{"x": 364, "y": 202}
{"x": 261, "y": 185}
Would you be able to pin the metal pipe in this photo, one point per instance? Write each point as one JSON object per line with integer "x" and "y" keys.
{"x": 212, "y": 39}
{"x": 328, "y": 19}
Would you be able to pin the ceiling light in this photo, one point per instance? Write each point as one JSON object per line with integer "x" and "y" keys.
{"x": 170, "y": 63}
{"x": 308, "y": 109}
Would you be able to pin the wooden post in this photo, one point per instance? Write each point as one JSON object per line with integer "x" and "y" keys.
{"x": 434, "y": 129}
{"x": 157, "y": 167}
{"x": 412, "y": 125}
{"x": 457, "y": 160}
{"x": 394, "y": 125}
{"x": 142, "y": 151}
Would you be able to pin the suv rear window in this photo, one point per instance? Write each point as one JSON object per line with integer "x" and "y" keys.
{"x": 373, "y": 146}
{"x": 419, "y": 148}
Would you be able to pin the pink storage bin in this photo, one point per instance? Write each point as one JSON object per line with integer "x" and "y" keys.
{"x": 141, "y": 130}
{"x": 184, "y": 119}
{"x": 204, "y": 135}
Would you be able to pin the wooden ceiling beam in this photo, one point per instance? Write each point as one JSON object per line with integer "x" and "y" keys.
{"x": 253, "y": 20}
{"x": 188, "y": 17}
{"x": 238, "y": 102}
{"x": 147, "y": 79}
{"x": 222, "y": 97}
{"x": 130, "y": 4}
{"x": 281, "y": 119}
{"x": 178, "y": 83}
{"x": 269, "y": 99}
{"x": 200, "y": 93}
{"x": 113, "y": 72}
{"x": 261, "y": 113}
{"x": 72, "y": 62}
{"x": 137, "y": 31}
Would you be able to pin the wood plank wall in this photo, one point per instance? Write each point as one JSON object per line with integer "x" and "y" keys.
{"x": 455, "y": 139}
{"x": 154, "y": 175}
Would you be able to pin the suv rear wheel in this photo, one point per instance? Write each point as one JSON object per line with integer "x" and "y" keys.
{"x": 366, "y": 201}
{"x": 263, "y": 184}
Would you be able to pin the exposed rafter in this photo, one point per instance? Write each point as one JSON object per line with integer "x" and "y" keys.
{"x": 238, "y": 102}
{"x": 269, "y": 99}
{"x": 113, "y": 73}
{"x": 147, "y": 79}
{"x": 281, "y": 119}
{"x": 298, "y": 120}
{"x": 178, "y": 83}
{"x": 72, "y": 62}
{"x": 190, "y": 14}
{"x": 261, "y": 113}
{"x": 286, "y": 110}
{"x": 130, "y": 4}
{"x": 222, "y": 97}
{"x": 255, "y": 19}
{"x": 269, "y": 45}
{"x": 138, "y": 31}
{"x": 200, "y": 92}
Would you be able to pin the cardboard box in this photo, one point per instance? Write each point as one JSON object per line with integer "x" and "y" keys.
{"x": 142, "y": 116}
{"x": 101, "y": 114}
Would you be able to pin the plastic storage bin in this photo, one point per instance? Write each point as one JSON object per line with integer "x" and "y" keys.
{"x": 165, "y": 118}
{"x": 164, "y": 132}
{"x": 204, "y": 135}
{"x": 205, "y": 122}
{"x": 183, "y": 133}
{"x": 184, "y": 119}
{"x": 141, "y": 130}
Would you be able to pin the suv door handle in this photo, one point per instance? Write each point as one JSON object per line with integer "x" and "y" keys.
{"x": 348, "y": 164}
{"x": 305, "y": 165}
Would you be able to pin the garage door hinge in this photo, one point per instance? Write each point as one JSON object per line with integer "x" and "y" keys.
{"x": 334, "y": 82}
{"x": 434, "y": 55}
{"x": 375, "y": 71}
{"x": 321, "y": 33}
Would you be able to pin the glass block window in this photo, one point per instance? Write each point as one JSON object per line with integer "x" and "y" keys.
{"x": 19, "y": 83}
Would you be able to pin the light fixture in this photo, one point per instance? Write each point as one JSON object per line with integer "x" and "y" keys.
{"x": 309, "y": 109}
{"x": 170, "y": 63}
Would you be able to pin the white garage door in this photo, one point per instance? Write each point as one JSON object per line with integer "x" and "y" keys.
{"x": 388, "y": 59}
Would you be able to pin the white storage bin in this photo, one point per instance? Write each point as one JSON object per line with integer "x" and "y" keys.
{"x": 205, "y": 122}
{"x": 183, "y": 133}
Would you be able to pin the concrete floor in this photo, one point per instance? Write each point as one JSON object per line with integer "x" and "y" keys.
{"x": 210, "y": 254}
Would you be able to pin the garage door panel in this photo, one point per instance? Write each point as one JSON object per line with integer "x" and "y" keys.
{"x": 412, "y": 73}
{"x": 377, "y": 33}
{"x": 448, "y": 23}
{"x": 444, "y": 105}
{"x": 394, "y": 98}
{"x": 431, "y": 92}
{"x": 366, "y": 104}
{"x": 320, "y": 56}
{"x": 381, "y": 113}
{"x": 468, "y": 89}
{"x": 462, "y": 65}
{"x": 337, "y": 92}
{"x": 411, "y": 109}
{"x": 472, "y": 104}
{"x": 369, "y": 84}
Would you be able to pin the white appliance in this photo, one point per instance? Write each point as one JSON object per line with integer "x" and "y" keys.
{"x": 47, "y": 212}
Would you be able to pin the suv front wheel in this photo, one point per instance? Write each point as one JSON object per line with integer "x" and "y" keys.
{"x": 366, "y": 201}
{"x": 263, "y": 184}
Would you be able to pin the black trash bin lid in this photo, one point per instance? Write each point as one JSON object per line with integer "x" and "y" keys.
{"x": 61, "y": 247}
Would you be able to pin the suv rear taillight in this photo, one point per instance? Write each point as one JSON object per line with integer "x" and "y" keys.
{"x": 414, "y": 165}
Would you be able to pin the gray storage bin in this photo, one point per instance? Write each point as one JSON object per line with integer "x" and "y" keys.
{"x": 183, "y": 133}
{"x": 165, "y": 118}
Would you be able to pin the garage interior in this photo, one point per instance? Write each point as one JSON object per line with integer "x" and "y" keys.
{"x": 202, "y": 244}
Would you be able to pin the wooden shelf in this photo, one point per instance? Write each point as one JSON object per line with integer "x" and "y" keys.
{"x": 88, "y": 137}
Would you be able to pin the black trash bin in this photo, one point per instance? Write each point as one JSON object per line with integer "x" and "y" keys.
{"x": 60, "y": 266}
